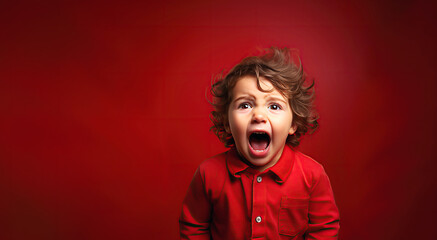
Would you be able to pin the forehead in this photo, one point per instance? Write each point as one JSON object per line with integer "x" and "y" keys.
{"x": 248, "y": 85}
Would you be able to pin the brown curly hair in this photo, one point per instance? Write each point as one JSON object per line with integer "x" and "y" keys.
{"x": 277, "y": 66}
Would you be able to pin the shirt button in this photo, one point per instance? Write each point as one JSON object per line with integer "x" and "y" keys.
{"x": 259, "y": 179}
{"x": 258, "y": 219}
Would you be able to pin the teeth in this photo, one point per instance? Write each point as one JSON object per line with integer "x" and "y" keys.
{"x": 260, "y": 133}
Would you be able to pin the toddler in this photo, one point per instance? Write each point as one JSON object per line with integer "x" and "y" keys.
{"x": 262, "y": 187}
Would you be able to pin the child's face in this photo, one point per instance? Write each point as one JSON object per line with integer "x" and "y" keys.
{"x": 260, "y": 122}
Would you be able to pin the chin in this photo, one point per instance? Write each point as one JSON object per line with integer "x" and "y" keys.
{"x": 259, "y": 162}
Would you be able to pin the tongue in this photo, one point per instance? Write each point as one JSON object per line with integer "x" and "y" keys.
{"x": 259, "y": 144}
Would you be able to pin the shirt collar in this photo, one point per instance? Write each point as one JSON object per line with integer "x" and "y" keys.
{"x": 281, "y": 169}
{"x": 235, "y": 163}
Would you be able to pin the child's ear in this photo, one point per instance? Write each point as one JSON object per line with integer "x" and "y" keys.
{"x": 292, "y": 130}
{"x": 227, "y": 129}
{"x": 226, "y": 125}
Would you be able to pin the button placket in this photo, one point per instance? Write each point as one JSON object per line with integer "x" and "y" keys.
{"x": 259, "y": 207}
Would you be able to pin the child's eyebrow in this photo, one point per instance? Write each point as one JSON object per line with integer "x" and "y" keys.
{"x": 245, "y": 96}
{"x": 276, "y": 98}
{"x": 252, "y": 98}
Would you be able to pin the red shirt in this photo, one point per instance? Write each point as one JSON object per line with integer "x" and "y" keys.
{"x": 227, "y": 199}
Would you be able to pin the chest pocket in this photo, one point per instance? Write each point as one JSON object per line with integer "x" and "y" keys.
{"x": 293, "y": 216}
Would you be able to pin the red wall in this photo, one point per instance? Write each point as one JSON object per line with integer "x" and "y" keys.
{"x": 104, "y": 120}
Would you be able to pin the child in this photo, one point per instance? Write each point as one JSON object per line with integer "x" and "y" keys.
{"x": 262, "y": 188}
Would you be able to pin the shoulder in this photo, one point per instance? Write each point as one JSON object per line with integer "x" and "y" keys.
{"x": 214, "y": 167}
{"x": 312, "y": 169}
{"x": 214, "y": 174}
{"x": 308, "y": 162}
{"x": 214, "y": 163}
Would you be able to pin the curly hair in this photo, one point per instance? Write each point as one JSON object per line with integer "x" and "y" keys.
{"x": 278, "y": 67}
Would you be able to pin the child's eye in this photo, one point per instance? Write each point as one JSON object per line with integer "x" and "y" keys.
{"x": 244, "y": 106}
{"x": 275, "y": 106}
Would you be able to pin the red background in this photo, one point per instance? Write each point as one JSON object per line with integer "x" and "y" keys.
{"x": 104, "y": 118}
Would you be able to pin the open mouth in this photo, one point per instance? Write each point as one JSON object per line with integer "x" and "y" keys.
{"x": 259, "y": 141}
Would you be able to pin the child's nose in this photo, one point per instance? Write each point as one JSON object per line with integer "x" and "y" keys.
{"x": 258, "y": 116}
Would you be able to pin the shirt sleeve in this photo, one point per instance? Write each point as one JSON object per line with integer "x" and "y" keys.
{"x": 195, "y": 218}
{"x": 323, "y": 212}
